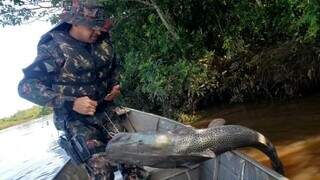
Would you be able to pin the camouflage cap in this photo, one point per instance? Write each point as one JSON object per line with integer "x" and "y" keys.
{"x": 88, "y": 13}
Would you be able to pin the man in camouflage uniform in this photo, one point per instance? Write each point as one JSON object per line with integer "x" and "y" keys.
{"x": 76, "y": 73}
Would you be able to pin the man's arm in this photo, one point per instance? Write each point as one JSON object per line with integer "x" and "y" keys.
{"x": 115, "y": 71}
{"x": 36, "y": 86}
{"x": 114, "y": 80}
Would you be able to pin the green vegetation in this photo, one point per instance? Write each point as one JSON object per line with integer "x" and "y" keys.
{"x": 182, "y": 55}
{"x": 24, "y": 116}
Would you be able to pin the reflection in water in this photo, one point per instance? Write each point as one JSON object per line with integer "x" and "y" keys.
{"x": 294, "y": 127}
{"x": 30, "y": 151}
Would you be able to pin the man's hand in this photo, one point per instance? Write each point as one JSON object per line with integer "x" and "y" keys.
{"x": 108, "y": 24}
{"x": 84, "y": 105}
{"x": 115, "y": 92}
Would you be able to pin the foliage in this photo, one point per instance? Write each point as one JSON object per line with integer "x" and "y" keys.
{"x": 24, "y": 116}
{"x": 17, "y": 12}
{"x": 183, "y": 54}
{"x": 226, "y": 51}
{"x": 189, "y": 118}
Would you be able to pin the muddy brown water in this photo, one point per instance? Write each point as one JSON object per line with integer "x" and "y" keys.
{"x": 294, "y": 127}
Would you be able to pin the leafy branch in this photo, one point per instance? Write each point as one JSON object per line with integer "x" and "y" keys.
{"x": 21, "y": 12}
{"x": 164, "y": 17}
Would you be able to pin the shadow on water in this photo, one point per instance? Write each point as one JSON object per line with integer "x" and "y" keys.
{"x": 294, "y": 127}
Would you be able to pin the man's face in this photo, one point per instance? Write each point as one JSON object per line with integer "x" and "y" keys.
{"x": 86, "y": 34}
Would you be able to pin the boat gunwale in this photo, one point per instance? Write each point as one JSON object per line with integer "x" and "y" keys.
{"x": 236, "y": 153}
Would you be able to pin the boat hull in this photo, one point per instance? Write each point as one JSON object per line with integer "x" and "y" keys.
{"x": 231, "y": 165}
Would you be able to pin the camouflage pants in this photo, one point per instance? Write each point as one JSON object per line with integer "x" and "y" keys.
{"x": 96, "y": 130}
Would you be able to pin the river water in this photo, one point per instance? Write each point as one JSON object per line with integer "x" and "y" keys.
{"x": 294, "y": 127}
{"x": 30, "y": 150}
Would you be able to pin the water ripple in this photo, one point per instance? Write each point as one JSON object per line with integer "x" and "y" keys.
{"x": 30, "y": 151}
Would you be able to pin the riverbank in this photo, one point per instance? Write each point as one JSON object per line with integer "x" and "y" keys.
{"x": 24, "y": 116}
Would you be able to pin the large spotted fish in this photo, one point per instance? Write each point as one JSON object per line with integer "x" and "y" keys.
{"x": 186, "y": 146}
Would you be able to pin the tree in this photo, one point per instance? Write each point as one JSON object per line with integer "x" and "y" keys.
{"x": 179, "y": 55}
{"x": 17, "y": 12}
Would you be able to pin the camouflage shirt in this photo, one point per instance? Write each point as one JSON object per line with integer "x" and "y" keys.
{"x": 66, "y": 68}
